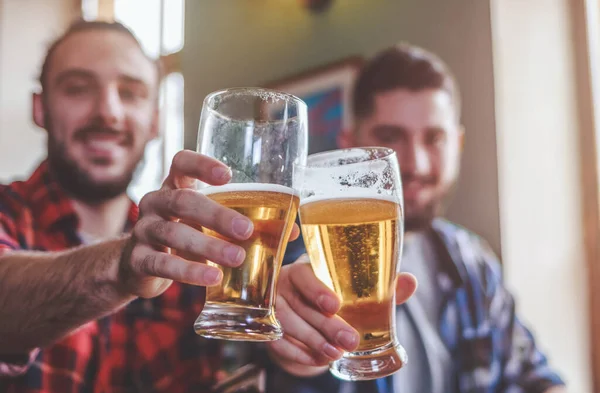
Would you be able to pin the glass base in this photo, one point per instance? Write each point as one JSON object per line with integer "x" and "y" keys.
{"x": 364, "y": 366}
{"x": 237, "y": 323}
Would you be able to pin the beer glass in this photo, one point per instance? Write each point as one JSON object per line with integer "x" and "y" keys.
{"x": 351, "y": 213}
{"x": 260, "y": 134}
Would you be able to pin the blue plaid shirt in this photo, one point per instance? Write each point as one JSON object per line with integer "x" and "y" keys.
{"x": 494, "y": 351}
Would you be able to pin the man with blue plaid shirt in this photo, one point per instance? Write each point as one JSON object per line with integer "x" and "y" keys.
{"x": 459, "y": 329}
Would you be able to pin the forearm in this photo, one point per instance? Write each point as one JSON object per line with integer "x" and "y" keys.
{"x": 44, "y": 296}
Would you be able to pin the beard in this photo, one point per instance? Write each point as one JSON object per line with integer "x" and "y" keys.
{"x": 78, "y": 183}
{"x": 422, "y": 219}
{"x": 419, "y": 218}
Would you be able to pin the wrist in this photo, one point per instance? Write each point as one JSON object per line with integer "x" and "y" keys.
{"x": 104, "y": 261}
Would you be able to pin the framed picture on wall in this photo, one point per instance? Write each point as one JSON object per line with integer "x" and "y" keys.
{"x": 327, "y": 92}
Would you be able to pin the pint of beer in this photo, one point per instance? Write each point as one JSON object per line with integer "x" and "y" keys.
{"x": 249, "y": 289}
{"x": 260, "y": 134}
{"x": 352, "y": 223}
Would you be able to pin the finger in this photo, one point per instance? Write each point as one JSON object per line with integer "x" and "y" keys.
{"x": 320, "y": 360}
{"x": 406, "y": 285}
{"x": 187, "y": 166}
{"x": 194, "y": 207}
{"x": 295, "y": 232}
{"x": 291, "y": 350}
{"x": 298, "y": 328}
{"x": 332, "y": 328}
{"x": 188, "y": 241}
{"x": 304, "y": 281}
{"x": 147, "y": 261}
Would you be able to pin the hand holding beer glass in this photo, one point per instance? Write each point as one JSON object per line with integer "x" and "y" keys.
{"x": 260, "y": 134}
{"x": 351, "y": 212}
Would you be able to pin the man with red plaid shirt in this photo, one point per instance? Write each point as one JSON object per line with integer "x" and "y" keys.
{"x": 87, "y": 307}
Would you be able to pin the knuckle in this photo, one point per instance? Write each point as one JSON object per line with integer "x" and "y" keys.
{"x": 192, "y": 243}
{"x": 172, "y": 269}
{"x": 295, "y": 270}
{"x": 135, "y": 258}
{"x": 304, "y": 270}
{"x": 179, "y": 158}
{"x": 213, "y": 249}
{"x": 293, "y": 300}
{"x": 324, "y": 325}
{"x": 146, "y": 202}
{"x": 297, "y": 355}
{"x": 163, "y": 231}
{"x": 284, "y": 279}
{"x": 138, "y": 230}
{"x": 186, "y": 200}
{"x": 147, "y": 264}
{"x": 188, "y": 270}
{"x": 214, "y": 214}
{"x": 188, "y": 245}
{"x": 141, "y": 228}
{"x": 315, "y": 341}
{"x": 176, "y": 200}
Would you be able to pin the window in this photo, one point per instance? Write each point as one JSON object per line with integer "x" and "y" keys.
{"x": 159, "y": 28}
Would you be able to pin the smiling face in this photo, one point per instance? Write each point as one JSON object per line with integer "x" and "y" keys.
{"x": 421, "y": 126}
{"x": 99, "y": 107}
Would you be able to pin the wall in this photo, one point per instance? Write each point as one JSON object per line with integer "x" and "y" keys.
{"x": 26, "y": 26}
{"x": 234, "y": 43}
{"x": 538, "y": 132}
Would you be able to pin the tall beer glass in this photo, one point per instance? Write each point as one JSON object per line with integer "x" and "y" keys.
{"x": 260, "y": 134}
{"x": 351, "y": 212}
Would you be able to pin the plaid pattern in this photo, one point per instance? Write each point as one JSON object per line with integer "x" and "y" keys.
{"x": 148, "y": 346}
{"x": 493, "y": 351}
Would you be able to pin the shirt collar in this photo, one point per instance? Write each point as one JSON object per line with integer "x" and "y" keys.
{"x": 446, "y": 242}
{"x": 51, "y": 205}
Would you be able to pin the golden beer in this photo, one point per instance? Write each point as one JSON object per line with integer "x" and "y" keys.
{"x": 246, "y": 293}
{"x": 354, "y": 246}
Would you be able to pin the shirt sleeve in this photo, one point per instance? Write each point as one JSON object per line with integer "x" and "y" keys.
{"x": 8, "y": 231}
{"x": 525, "y": 367}
{"x": 17, "y": 364}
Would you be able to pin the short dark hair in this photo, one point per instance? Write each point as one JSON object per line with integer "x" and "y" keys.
{"x": 402, "y": 66}
{"x": 84, "y": 25}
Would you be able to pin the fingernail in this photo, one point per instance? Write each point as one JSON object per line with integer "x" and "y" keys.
{"x": 220, "y": 173}
{"x": 242, "y": 227}
{"x": 234, "y": 254}
{"x": 347, "y": 340}
{"x": 212, "y": 276}
{"x": 327, "y": 304}
{"x": 331, "y": 351}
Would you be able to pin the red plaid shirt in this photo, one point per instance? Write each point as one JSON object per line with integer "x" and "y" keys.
{"x": 148, "y": 346}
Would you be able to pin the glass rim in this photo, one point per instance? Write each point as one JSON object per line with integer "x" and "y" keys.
{"x": 387, "y": 153}
{"x": 277, "y": 93}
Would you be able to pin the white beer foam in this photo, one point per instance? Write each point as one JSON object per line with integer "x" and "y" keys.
{"x": 242, "y": 187}
{"x": 351, "y": 194}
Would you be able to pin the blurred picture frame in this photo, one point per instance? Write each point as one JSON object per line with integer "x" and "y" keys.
{"x": 327, "y": 91}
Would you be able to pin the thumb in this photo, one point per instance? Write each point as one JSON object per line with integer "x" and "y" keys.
{"x": 406, "y": 285}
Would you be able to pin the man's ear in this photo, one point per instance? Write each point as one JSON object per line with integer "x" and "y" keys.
{"x": 346, "y": 139}
{"x": 461, "y": 138}
{"x": 38, "y": 111}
